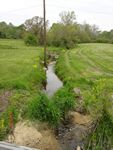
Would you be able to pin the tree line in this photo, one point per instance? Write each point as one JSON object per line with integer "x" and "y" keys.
{"x": 65, "y": 33}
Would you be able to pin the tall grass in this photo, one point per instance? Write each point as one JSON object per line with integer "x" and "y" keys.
{"x": 51, "y": 110}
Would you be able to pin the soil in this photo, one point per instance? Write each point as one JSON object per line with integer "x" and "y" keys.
{"x": 4, "y": 100}
{"x": 73, "y": 133}
{"x": 37, "y": 136}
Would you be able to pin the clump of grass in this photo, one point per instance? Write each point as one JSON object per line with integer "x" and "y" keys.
{"x": 102, "y": 137}
{"x": 98, "y": 102}
{"x": 99, "y": 98}
{"x": 64, "y": 99}
{"x": 51, "y": 110}
{"x": 43, "y": 109}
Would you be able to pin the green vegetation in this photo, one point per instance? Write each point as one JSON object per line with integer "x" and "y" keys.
{"x": 66, "y": 33}
{"x": 64, "y": 99}
{"x": 31, "y": 40}
{"x": 102, "y": 138}
{"x": 9, "y": 31}
{"x": 51, "y": 110}
{"x": 43, "y": 109}
{"x": 19, "y": 65}
{"x": 99, "y": 103}
{"x": 85, "y": 64}
{"x": 89, "y": 67}
{"x": 21, "y": 76}
{"x": 5, "y": 123}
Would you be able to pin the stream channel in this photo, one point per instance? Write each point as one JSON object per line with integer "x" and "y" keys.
{"x": 53, "y": 82}
{"x": 68, "y": 135}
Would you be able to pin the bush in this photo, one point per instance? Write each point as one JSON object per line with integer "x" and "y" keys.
{"x": 31, "y": 40}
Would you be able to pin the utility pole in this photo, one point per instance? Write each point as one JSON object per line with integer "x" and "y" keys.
{"x": 45, "y": 49}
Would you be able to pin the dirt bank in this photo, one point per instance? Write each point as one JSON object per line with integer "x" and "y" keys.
{"x": 34, "y": 135}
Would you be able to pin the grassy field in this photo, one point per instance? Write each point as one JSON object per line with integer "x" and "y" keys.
{"x": 19, "y": 65}
{"x": 21, "y": 77}
{"x": 21, "y": 82}
{"x": 89, "y": 67}
{"x": 86, "y": 63}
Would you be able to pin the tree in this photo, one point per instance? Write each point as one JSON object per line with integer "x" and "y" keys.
{"x": 68, "y": 18}
{"x": 64, "y": 33}
{"x": 31, "y": 40}
{"x": 88, "y": 33}
{"x": 35, "y": 26}
{"x": 3, "y": 28}
{"x": 10, "y": 31}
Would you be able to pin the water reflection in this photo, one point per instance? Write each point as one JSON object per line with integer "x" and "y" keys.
{"x": 53, "y": 82}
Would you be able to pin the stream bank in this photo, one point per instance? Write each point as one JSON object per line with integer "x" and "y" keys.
{"x": 72, "y": 132}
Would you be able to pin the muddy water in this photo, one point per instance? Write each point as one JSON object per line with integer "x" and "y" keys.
{"x": 53, "y": 82}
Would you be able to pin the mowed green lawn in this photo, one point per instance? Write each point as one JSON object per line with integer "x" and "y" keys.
{"x": 19, "y": 65}
{"x": 86, "y": 62}
{"x": 90, "y": 68}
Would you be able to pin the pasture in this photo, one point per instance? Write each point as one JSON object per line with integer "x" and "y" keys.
{"x": 19, "y": 65}
{"x": 86, "y": 63}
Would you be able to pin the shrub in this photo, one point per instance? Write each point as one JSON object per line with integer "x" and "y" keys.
{"x": 31, "y": 40}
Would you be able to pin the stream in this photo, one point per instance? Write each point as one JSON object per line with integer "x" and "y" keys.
{"x": 68, "y": 135}
{"x": 53, "y": 82}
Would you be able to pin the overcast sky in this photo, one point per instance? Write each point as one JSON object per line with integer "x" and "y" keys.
{"x": 99, "y": 12}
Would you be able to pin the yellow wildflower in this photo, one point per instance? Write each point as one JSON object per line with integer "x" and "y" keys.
{"x": 2, "y": 123}
{"x": 34, "y": 66}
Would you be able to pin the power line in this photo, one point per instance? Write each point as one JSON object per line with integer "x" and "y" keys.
{"x": 10, "y": 11}
{"x": 59, "y": 6}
